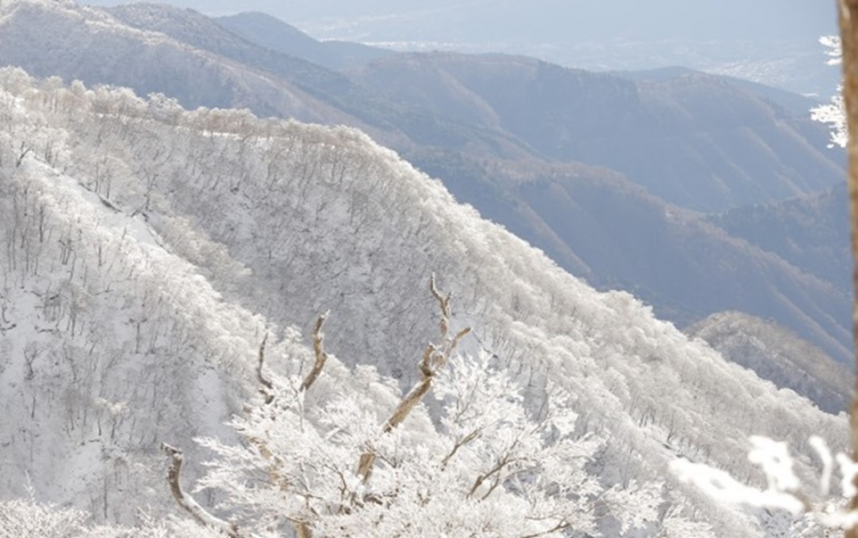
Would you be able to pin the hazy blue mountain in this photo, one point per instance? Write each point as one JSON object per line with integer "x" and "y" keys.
{"x": 398, "y": 123}
{"x": 186, "y": 56}
{"x": 274, "y": 34}
{"x": 544, "y": 21}
{"x": 697, "y": 141}
{"x": 794, "y": 103}
{"x": 811, "y": 232}
{"x": 778, "y": 355}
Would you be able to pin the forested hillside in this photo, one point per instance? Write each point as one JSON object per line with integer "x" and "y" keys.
{"x": 149, "y": 250}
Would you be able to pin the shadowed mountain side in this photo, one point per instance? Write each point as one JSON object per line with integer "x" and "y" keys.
{"x": 598, "y": 225}
{"x": 811, "y": 232}
{"x": 778, "y": 355}
{"x": 274, "y": 34}
{"x": 696, "y": 141}
{"x": 201, "y": 32}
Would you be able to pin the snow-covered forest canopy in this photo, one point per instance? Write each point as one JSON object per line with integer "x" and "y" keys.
{"x": 149, "y": 251}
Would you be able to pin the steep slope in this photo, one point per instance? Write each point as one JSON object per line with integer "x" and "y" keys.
{"x": 109, "y": 345}
{"x": 274, "y": 34}
{"x": 602, "y": 263}
{"x": 696, "y": 141}
{"x": 778, "y": 355}
{"x": 325, "y": 219}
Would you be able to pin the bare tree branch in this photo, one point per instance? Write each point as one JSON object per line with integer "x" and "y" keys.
{"x": 318, "y": 347}
{"x": 302, "y": 528}
{"x": 23, "y": 154}
{"x": 267, "y": 386}
{"x": 434, "y": 358}
{"x": 459, "y": 444}
{"x": 187, "y": 502}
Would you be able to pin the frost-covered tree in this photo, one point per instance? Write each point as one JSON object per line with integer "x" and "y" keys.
{"x": 338, "y": 464}
{"x": 833, "y": 112}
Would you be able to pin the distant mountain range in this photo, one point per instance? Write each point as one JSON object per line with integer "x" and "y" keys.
{"x": 509, "y": 136}
{"x": 767, "y": 41}
{"x": 694, "y": 140}
{"x": 600, "y": 226}
{"x": 273, "y": 34}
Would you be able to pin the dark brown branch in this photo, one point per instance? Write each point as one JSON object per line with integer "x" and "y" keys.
{"x": 318, "y": 347}
{"x": 187, "y": 502}
{"x": 268, "y": 386}
{"x": 483, "y": 477}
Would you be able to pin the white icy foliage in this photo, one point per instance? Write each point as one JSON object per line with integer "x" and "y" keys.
{"x": 814, "y": 507}
{"x": 491, "y": 469}
{"x": 833, "y": 112}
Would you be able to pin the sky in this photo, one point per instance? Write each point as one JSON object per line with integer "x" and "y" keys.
{"x": 766, "y": 40}
{"x": 554, "y": 20}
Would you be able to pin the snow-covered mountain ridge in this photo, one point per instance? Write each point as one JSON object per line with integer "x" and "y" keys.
{"x": 467, "y": 120}
{"x": 283, "y": 221}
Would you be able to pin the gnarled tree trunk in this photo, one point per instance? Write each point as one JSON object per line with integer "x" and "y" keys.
{"x": 849, "y": 40}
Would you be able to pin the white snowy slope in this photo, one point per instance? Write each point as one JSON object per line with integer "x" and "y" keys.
{"x": 173, "y": 240}
{"x": 779, "y": 356}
